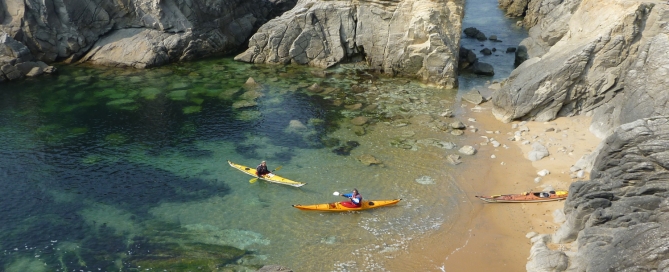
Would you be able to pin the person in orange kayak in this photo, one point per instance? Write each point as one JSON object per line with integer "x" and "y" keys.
{"x": 355, "y": 197}
{"x": 261, "y": 170}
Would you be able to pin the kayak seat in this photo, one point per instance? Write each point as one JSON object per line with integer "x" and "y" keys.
{"x": 247, "y": 168}
{"x": 371, "y": 203}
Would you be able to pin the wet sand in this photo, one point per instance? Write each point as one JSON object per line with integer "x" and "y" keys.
{"x": 489, "y": 236}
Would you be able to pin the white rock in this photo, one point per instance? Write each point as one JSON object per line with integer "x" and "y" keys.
{"x": 493, "y": 156}
{"x": 537, "y": 180}
{"x": 467, "y": 150}
{"x": 495, "y": 143}
{"x": 543, "y": 173}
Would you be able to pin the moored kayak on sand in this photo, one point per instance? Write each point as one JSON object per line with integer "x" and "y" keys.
{"x": 268, "y": 177}
{"x": 346, "y": 206}
{"x": 527, "y": 197}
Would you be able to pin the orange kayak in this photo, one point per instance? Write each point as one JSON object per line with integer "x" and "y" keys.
{"x": 527, "y": 197}
{"x": 338, "y": 207}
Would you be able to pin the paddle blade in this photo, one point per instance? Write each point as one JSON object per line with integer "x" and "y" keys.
{"x": 253, "y": 180}
{"x": 278, "y": 168}
{"x": 335, "y": 193}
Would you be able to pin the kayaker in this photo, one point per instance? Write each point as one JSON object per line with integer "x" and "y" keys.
{"x": 261, "y": 170}
{"x": 355, "y": 197}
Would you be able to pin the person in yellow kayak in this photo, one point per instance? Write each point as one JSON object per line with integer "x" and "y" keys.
{"x": 355, "y": 197}
{"x": 261, "y": 170}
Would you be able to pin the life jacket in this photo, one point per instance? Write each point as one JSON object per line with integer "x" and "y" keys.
{"x": 357, "y": 199}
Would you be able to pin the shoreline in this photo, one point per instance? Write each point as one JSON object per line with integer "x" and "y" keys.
{"x": 495, "y": 232}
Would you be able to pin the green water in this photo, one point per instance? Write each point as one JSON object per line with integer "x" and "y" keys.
{"x": 120, "y": 169}
{"x": 106, "y": 169}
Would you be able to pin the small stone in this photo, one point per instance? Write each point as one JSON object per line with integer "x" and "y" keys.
{"x": 457, "y": 132}
{"x": 458, "y": 125}
{"x": 550, "y": 129}
{"x": 493, "y": 156}
{"x": 495, "y": 143}
{"x": 580, "y": 174}
{"x": 467, "y": 150}
{"x": 355, "y": 106}
{"x": 368, "y": 160}
{"x": 543, "y": 173}
{"x": 453, "y": 159}
{"x": 359, "y": 121}
{"x": 425, "y": 180}
{"x": 537, "y": 180}
{"x": 471, "y": 120}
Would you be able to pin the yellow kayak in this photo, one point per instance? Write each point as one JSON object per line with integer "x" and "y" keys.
{"x": 338, "y": 207}
{"x": 269, "y": 177}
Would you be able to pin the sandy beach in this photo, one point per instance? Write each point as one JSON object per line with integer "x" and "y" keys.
{"x": 492, "y": 236}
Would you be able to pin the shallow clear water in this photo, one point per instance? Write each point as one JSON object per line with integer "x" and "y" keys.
{"x": 115, "y": 169}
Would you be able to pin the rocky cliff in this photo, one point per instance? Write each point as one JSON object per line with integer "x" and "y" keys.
{"x": 416, "y": 38}
{"x": 137, "y": 33}
{"x": 619, "y": 220}
{"x": 606, "y": 58}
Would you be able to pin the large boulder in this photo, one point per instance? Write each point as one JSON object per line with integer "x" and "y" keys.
{"x": 583, "y": 70}
{"x": 164, "y": 31}
{"x": 415, "y": 38}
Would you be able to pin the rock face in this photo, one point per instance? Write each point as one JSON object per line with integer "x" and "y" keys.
{"x": 586, "y": 65}
{"x": 624, "y": 209}
{"x": 137, "y": 33}
{"x": 415, "y": 38}
{"x": 16, "y": 61}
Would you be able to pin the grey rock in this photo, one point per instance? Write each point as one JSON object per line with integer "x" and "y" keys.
{"x": 392, "y": 36}
{"x": 486, "y": 51}
{"x": 538, "y": 152}
{"x": 474, "y": 97}
{"x": 481, "y": 68}
{"x": 467, "y": 150}
{"x": 453, "y": 159}
{"x": 588, "y": 71}
{"x": 544, "y": 259}
{"x": 458, "y": 125}
{"x": 471, "y": 32}
{"x": 467, "y": 58}
{"x": 520, "y": 55}
{"x": 11, "y": 72}
{"x": 510, "y": 50}
{"x": 135, "y": 33}
{"x": 624, "y": 203}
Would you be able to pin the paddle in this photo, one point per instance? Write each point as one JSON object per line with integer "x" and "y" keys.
{"x": 253, "y": 180}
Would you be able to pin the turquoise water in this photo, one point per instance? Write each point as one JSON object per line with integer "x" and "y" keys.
{"x": 120, "y": 169}
{"x": 106, "y": 169}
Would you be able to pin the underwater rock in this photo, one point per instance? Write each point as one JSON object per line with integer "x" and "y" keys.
{"x": 251, "y": 84}
{"x": 425, "y": 180}
{"x": 358, "y": 130}
{"x": 359, "y": 121}
{"x": 345, "y": 150}
{"x": 368, "y": 160}
{"x": 538, "y": 152}
{"x": 315, "y": 88}
{"x": 353, "y": 107}
{"x": 274, "y": 268}
{"x": 296, "y": 125}
{"x": 244, "y": 104}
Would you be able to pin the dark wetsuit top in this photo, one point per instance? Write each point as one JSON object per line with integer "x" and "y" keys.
{"x": 262, "y": 170}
